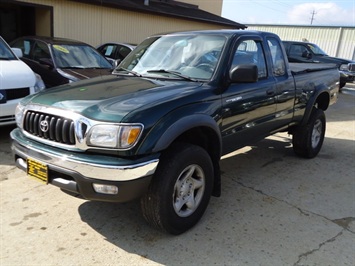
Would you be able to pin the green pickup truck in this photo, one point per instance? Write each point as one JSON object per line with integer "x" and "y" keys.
{"x": 157, "y": 127}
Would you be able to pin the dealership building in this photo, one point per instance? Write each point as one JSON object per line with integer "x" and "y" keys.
{"x": 130, "y": 21}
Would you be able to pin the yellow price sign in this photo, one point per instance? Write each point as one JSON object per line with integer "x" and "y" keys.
{"x": 61, "y": 48}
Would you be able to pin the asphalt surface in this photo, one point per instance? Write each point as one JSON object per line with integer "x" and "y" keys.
{"x": 275, "y": 209}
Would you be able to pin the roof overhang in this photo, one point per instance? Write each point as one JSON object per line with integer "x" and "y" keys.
{"x": 166, "y": 8}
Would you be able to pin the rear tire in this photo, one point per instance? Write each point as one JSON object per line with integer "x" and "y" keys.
{"x": 308, "y": 139}
{"x": 180, "y": 189}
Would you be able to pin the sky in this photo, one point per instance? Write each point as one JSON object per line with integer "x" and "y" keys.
{"x": 291, "y": 12}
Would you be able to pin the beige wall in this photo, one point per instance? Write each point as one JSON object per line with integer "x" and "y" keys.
{"x": 212, "y": 6}
{"x": 95, "y": 25}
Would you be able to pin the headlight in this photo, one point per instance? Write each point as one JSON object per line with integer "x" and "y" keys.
{"x": 19, "y": 114}
{"x": 344, "y": 67}
{"x": 114, "y": 136}
{"x": 39, "y": 83}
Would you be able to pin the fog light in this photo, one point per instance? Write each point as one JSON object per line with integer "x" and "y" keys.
{"x": 105, "y": 189}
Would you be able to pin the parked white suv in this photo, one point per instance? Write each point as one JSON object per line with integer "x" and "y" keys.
{"x": 17, "y": 80}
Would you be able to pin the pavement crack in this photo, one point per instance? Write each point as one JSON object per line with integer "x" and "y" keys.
{"x": 345, "y": 223}
{"x": 303, "y": 212}
{"x": 342, "y": 222}
{"x": 306, "y": 254}
{"x": 251, "y": 188}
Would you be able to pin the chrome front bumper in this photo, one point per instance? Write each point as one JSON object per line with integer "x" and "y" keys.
{"x": 99, "y": 167}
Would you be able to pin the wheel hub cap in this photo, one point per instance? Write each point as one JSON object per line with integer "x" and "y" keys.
{"x": 188, "y": 190}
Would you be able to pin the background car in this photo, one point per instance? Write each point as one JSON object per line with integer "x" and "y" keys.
{"x": 306, "y": 52}
{"x": 17, "y": 81}
{"x": 59, "y": 61}
{"x": 115, "y": 52}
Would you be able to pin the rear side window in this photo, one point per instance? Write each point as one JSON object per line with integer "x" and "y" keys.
{"x": 251, "y": 52}
{"x": 108, "y": 50}
{"x": 25, "y": 45}
{"x": 41, "y": 51}
{"x": 278, "y": 60}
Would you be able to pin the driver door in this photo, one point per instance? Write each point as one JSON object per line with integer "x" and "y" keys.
{"x": 248, "y": 108}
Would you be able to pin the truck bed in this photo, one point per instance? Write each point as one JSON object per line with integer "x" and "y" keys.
{"x": 314, "y": 75}
{"x": 298, "y": 68}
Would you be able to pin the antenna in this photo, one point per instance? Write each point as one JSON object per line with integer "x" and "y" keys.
{"x": 312, "y": 18}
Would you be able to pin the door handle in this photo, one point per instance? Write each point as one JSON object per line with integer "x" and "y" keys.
{"x": 270, "y": 92}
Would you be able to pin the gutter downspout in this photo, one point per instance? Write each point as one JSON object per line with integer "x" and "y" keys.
{"x": 341, "y": 30}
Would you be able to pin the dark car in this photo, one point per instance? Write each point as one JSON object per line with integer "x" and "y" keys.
{"x": 305, "y": 52}
{"x": 59, "y": 61}
{"x": 115, "y": 52}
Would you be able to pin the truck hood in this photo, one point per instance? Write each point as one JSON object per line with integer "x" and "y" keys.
{"x": 110, "y": 98}
{"x": 86, "y": 73}
{"x": 335, "y": 60}
{"x": 15, "y": 74}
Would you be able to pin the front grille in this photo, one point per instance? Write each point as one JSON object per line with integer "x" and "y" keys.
{"x": 50, "y": 127}
{"x": 351, "y": 67}
{"x": 12, "y": 94}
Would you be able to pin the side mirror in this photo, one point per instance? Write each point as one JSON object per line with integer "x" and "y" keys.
{"x": 307, "y": 54}
{"x": 244, "y": 74}
{"x": 17, "y": 52}
{"x": 46, "y": 61}
{"x": 117, "y": 62}
{"x": 114, "y": 62}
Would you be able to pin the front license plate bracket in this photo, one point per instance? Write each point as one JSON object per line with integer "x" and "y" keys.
{"x": 37, "y": 170}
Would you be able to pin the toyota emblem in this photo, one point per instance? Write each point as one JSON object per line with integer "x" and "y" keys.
{"x": 43, "y": 125}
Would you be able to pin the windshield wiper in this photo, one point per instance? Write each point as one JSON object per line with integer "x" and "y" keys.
{"x": 73, "y": 67}
{"x": 178, "y": 74}
{"x": 128, "y": 71}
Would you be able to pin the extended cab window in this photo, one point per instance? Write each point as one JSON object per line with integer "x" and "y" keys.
{"x": 278, "y": 60}
{"x": 25, "y": 46}
{"x": 251, "y": 52}
{"x": 297, "y": 50}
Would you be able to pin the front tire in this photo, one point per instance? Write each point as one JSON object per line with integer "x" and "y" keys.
{"x": 180, "y": 189}
{"x": 308, "y": 139}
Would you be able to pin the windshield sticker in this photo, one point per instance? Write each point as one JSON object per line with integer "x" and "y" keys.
{"x": 61, "y": 48}
{"x": 109, "y": 50}
{"x": 27, "y": 47}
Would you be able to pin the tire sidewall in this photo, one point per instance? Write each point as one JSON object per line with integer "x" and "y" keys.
{"x": 302, "y": 139}
{"x": 318, "y": 115}
{"x": 172, "y": 167}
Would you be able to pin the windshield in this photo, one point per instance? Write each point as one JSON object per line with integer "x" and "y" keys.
{"x": 78, "y": 56}
{"x": 5, "y": 51}
{"x": 315, "y": 49}
{"x": 175, "y": 56}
